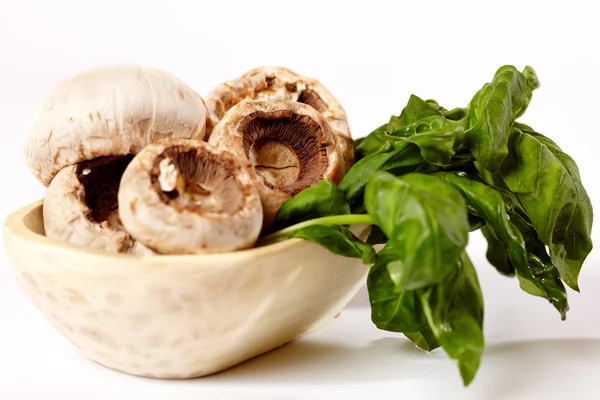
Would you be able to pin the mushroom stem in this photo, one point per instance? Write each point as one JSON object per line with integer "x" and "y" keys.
{"x": 347, "y": 219}
{"x": 170, "y": 178}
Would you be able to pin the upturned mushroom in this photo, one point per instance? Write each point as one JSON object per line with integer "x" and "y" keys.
{"x": 185, "y": 196}
{"x": 88, "y": 127}
{"x": 282, "y": 84}
{"x": 81, "y": 207}
{"x": 289, "y": 144}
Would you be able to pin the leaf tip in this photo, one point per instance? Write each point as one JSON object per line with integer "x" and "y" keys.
{"x": 468, "y": 365}
{"x": 531, "y": 76}
{"x": 562, "y": 311}
{"x": 573, "y": 284}
{"x": 467, "y": 376}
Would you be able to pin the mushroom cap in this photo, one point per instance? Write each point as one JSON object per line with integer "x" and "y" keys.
{"x": 69, "y": 218}
{"x": 282, "y": 84}
{"x": 109, "y": 111}
{"x": 182, "y": 196}
{"x": 290, "y": 145}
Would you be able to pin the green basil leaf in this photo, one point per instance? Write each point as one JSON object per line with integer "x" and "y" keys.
{"x": 392, "y": 309}
{"x": 376, "y": 236}
{"x": 337, "y": 239}
{"x": 405, "y": 159}
{"x": 415, "y": 110}
{"x": 531, "y": 76}
{"x": 491, "y": 178}
{"x": 424, "y": 339}
{"x": 492, "y": 112}
{"x": 454, "y": 310}
{"x": 475, "y": 222}
{"x": 355, "y": 180}
{"x": 547, "y": 183}
{"x": 545, "y": 272}
{"x": 490, "y": 205}
{"x": 435, "y": 136}
{"x": 457, "y": 114}
{"x": 320, "y": 200}
{"x": 454, "y": 114}
{"x": 371, "y": 143}
{"x": 395, "y": 310}
{"x": 426, "y": 221}
{"x": 497, "y": 253}
{"x": 541, "y": 266}
{"x": 393, "y": 155}
{"x": 433, "y": 103}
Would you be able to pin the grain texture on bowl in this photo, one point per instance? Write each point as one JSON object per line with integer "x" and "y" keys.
{"x": 179, "y": 316}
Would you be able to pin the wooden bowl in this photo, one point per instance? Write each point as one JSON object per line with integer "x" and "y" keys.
{"x": 179, "y": 316}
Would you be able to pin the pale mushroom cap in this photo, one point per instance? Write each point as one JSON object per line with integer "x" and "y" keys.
{"x": 68, "y": 218}
{"x": 282, "y": 84}
{"x": 109, "y": 111}
{"x": 181, "y": 225}
{"x": 317, "y": 144}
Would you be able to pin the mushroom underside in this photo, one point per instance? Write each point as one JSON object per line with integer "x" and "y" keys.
{"x": 185, "y": 196}
{"x": 100, "y": 179}
{"x": 311, "y": 98}
{"x": 285, "y": 148}
{"x": 81, "y": 207}
{"x": 188, "y": 180}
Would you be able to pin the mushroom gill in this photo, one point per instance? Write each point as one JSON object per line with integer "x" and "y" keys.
{"x": 282, "y": 84}
{"x": 289, "y": 144}
{"x": 183, "y": 196}
{"x": 99, "y": 180}
{"x": 285, "y": 148}
{"x": 187, "y": 179}
{"x": 313, "y": 99}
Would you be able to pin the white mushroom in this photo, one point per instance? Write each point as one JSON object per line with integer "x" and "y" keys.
{"x": 282, "y": 84}
{"x": 101, "y": 117}
{"x": 110, "y": 111}
{"x": 81, "y": 207}
{"x": 290, "y": 145}
{"x": 185, "y": 196}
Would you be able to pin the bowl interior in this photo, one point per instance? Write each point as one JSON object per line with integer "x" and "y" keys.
{"x": 27, "y": 223}
{"x": 34, "y": 220}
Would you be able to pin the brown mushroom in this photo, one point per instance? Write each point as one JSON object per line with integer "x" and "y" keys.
{"x": 290, "y": 145}
{"x": 185, "y": 196}
{"x": 282, "y": 84}
{"x": 88, "y": 127}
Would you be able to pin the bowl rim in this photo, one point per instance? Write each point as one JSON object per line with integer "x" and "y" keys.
{"x": 14, "y": 225}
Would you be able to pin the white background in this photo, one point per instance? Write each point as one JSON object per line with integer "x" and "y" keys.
{"x": 370, "y": 54}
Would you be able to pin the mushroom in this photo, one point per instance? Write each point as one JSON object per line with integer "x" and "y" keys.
{"x": 185, "y": 196}
{"x": 107, "y": 112}
{"x": 88, "y": 127}
{"x": 282, "y": 84}
{"x": 81, "y": 207}
{"x": 290, "y": 145}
